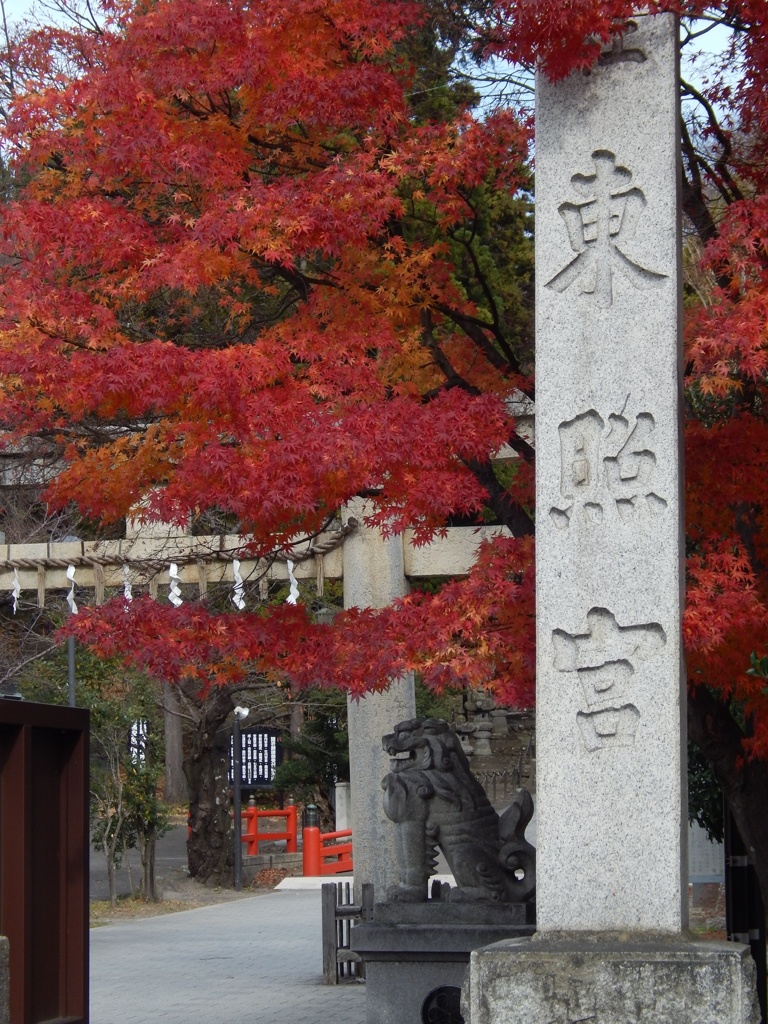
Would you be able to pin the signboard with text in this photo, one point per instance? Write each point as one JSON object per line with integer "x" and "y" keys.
{"x": 260, "y": 753}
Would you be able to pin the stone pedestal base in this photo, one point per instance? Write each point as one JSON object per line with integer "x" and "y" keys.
{"x": 569, "y": 978}
{"x": 416, "y": 954}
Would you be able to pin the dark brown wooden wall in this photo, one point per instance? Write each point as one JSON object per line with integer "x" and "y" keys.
{"x": 44, "y": 860}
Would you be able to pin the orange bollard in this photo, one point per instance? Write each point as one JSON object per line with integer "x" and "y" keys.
{"x": 252, "y": 828}
{"x": 312, "y": 860}
{"x": 292, "y": 843}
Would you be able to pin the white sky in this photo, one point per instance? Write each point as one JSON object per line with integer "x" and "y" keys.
{"x": 711, "y": 43}
{"x": 15, "y": 9}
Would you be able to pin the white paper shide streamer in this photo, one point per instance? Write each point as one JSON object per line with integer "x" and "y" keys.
{"x": 294, "y": 592}
{"x": 71, "y": 595}
{"x": 174, "y": 595}
{"x": 127, "y": 589}
{"x": 237, "y": 596}
{"x": 16, "y": 590}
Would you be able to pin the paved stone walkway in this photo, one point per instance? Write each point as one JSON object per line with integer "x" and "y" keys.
{"x": 252, "y": 961}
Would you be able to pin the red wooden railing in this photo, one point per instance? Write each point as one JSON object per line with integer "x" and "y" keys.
{"x": 253, "y": 835}
{"x": 323, "y": 855}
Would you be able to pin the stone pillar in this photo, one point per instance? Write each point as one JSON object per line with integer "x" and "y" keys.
{"x": 500, "y": 728}
{"x": 373, "y": 578}
{"x": 610, "y": 711}
{"x": 343, "y": 814}
{"x": 483, "y": 737}
{"x": 610, "y": 700}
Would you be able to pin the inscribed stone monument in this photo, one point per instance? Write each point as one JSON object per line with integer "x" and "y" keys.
{"x": 612, "y": 882}
{"x": 610, "y": 690}
{"x": 610, "y": 695}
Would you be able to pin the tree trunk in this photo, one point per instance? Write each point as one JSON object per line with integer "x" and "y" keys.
{"x": 129, "y": 870}
{"x": 209, "y": 847}
{"x": 110, "y": 843}
{"x": 745, "y": 783}
{"x": 175, "y": 784}
{"x": 109, "y": 856}
{"x": 148, "y": 860}
{"x": 297, "y": 720}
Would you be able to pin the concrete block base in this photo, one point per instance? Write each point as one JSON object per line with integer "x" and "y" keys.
{"x": 291, "y": 862}
{"x": 603, "y": 979}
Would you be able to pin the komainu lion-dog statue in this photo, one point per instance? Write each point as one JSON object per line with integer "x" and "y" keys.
{"x": 435, "y": 801}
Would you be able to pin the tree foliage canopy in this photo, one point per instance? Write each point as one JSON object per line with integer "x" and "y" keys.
{"x": 251, "y": 265}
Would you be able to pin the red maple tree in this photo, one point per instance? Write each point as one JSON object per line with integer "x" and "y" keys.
{"x": 245, "y": 267}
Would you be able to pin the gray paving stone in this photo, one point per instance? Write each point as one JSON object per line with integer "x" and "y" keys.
{"x": 252, "y": 961}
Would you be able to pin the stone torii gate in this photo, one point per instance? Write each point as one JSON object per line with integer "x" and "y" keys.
{"x": 374, "y": 571}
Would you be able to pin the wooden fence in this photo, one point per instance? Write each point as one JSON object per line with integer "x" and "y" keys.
{"x": 340, "y": 963}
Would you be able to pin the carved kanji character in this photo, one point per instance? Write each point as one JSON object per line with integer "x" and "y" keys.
{"x": 608, "y": 215}
{"x": 604, "y": 657}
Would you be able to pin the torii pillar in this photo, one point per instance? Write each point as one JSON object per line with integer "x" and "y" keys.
{"x": 373, "y": 577}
